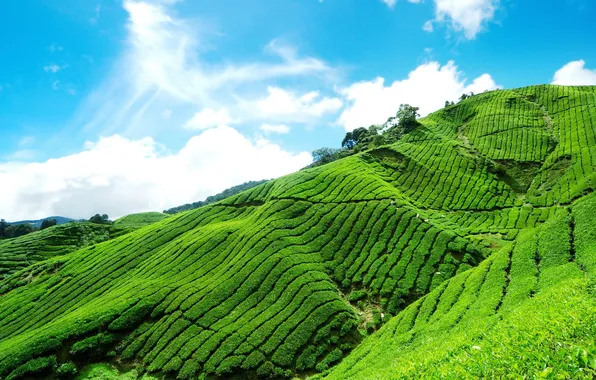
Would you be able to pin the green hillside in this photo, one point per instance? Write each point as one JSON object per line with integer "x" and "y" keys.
{"x": 466, "y": 248}
{"x": 528, "y": 310}
{"x": 19, "y": 253}
{"x": 136, "y": 221}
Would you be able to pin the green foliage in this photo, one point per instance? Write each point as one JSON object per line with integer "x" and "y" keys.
{"x": 93, "y": 346}
{"x": 47, "y": 223}
{"x": 362, "y": 139}
{"x": 18, "y": 230}
{"x": 324, "y": 156}
{"x": 19, "y": 253}
{"x": 3, "y": 227}
{"x": 66, "y": 370}
{"x": 465, "y": 248}
{"x": 136, "y": 221}
{"x": 100, "y": 219}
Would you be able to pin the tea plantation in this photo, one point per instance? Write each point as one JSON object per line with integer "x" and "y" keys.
{"x": 19, "y": 253}
{"x": 466, "y": 249}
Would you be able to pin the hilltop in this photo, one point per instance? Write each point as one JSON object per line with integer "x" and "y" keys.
{"x": 464, "y": 249}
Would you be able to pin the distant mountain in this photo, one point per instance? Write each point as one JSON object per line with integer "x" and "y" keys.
{"x": 37, "y": 223}
{"x": 215, "y": 198}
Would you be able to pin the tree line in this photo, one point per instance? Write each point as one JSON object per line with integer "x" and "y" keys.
{"x": 360, "y": 139}
{"x": 9, "y": 230}
{"x": 215, "y": 198}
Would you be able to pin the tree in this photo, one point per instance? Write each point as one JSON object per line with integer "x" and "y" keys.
{"x": 3, "y": 227}
{"x": 407, "y": 115}
{"x": 16, "y": 230}
{"x": 353, "y": 138}
{"x": 466, "y": 96}
{"x": 48, "y": 223}
{"x": 324, "y": 156}
{"x": 100, "y": 219}
{"x": 406, "y": 122}
{"x": 448, "y": 103}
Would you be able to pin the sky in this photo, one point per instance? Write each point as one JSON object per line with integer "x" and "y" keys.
{"x": 124, "y": 106}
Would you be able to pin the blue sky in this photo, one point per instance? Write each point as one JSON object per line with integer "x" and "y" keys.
{"x": 122, "y": 106}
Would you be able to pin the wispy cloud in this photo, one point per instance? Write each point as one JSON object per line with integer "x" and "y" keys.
{"x": 163, "y": 67}
{"x": 26, "y": 141}
{"x": 53, "y": 68}
{"x": 95, "y": 18}
{"x": 275, "y": 128}
{"x": 390, "y": 3}
{"x": 53, "y": 48}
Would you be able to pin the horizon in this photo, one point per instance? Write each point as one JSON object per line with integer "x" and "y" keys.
{"x": 129, "y": 106}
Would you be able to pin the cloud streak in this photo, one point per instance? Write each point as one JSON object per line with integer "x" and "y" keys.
{"x": 163, "y": 68}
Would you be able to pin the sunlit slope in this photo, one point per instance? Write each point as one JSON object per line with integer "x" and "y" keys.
{"x": 136, "y": 221}
{"x": 284, "y": 278}
{"x": 228, "y": 288}
{"x": 19, "y": 253}
{"x": 528, "y": 311}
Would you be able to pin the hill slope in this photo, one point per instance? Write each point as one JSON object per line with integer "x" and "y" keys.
{"x": 289, "y": 276}
{"x": 528, "y": 310}
{"x": 136, "y": 221}
{"x": 19, "y": 253}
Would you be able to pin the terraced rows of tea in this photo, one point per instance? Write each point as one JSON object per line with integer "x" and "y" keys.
{"x": 467, "y": 218}
{"x": 17, "y": 254}
{"x": 528, "y": 310}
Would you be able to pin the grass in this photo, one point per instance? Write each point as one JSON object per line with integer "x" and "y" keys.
{"x": 472, "y": 231}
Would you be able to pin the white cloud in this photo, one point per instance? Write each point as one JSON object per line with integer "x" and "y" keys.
{"x": 52, "y": 68}
{"x": 119, "y": 176}
{"x": 163, "y": 66}
{"x": 428, "y": 26}
{"x": 209, "y": 118}
{"x": 468, "y": 16}
{"x": 391, "y": 3}
{"x": 427, "y": 87}
{"x": 575, "y": 74}
{"x": 275, "y": 128}
{"x": 55, "y": 85}
{"x": 283, "y": 105}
